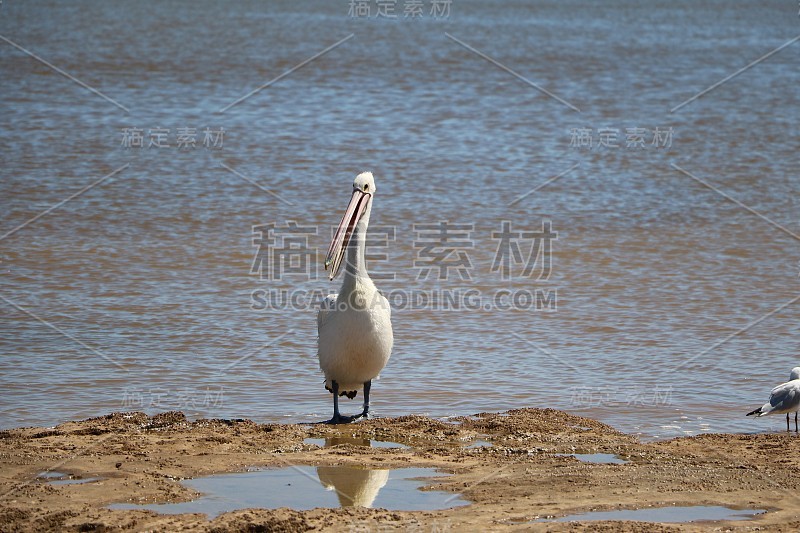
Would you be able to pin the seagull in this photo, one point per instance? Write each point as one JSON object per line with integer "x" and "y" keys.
{"x": 355, "y": 327}
{"x": 784, "y": 398}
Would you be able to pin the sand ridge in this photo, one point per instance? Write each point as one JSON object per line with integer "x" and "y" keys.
{"x": 519, "y": 478}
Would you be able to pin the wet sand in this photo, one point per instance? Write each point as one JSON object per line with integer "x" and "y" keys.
{"x": 518, "y": 479}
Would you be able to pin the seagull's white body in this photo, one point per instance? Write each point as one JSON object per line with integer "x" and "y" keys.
{"x": 355, "y": 328}
{"x": 784, "y": 399}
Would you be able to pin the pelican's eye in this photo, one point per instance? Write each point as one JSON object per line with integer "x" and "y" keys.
{"x": 366, "y": 187}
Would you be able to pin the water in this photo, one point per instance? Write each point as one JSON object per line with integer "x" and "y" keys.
{"x": 151, "y": 268}
{"x": 597, "y": 458}
{"x": 306, "y": 487}
{"x": 59, "y": 478}
{"x": 696, "y": 513}
{"x": 74, "y": 481}
{"x": 354, "y": 441}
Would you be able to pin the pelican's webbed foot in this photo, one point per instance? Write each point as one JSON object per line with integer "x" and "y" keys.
{"x": 340, "y": 419}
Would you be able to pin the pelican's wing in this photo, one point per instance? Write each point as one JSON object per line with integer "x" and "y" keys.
{"x": 786, "y": 397}
{"x": 327, "y": 306}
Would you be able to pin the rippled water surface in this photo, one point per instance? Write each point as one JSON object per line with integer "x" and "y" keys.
{"x": 672, "y": 280}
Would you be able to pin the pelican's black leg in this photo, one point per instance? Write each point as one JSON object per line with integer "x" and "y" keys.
{"x": 795, "y": 421}
{"x": 365, "y": 412}
{"x": 336, "y": 414}
{"x": 337, "y": 418}
{"x": 787, "y": 422}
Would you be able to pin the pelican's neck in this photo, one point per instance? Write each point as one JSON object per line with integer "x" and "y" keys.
{"x": 355, "y": 268}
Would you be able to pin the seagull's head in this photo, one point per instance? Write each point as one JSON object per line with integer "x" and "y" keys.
{"x": 357, "y": 213}
{"x": 795, "y": 373}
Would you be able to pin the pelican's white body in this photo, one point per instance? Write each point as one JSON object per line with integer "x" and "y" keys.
{"x": 355, "y": 327}
{"x": 354, "y": 344}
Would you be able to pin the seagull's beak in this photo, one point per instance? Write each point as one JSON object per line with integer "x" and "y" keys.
{"x": 355, "y": 210}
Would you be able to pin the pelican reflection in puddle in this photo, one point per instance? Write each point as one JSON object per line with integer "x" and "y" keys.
{"x": 355, "y": 487}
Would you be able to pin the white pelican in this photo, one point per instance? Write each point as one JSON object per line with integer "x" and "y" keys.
{"x": 785, "y": 398}
{"x": 355, "y": 328}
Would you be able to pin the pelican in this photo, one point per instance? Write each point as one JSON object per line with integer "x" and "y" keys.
{"x": 355, "y": 328}
{"x": 785, "y": 398}
{"x": 355, "y": 487}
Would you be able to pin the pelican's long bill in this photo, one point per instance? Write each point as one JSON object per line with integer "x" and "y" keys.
{"x": 355, "y": 209}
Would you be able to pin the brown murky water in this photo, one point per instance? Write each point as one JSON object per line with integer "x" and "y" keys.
{"x": 147, "y": 274}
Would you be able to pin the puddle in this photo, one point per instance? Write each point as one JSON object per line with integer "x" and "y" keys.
{"x": 597, "y": 458}
{"x": 50, "y": 476}
{"x": 308, "y": 487}
{"x": 336, "y": 441}
{"x": 74, "y": 481}
{"x": 479, "y": 444}
{"x": 60, "y": 478}
{"x": 675, "y": 515}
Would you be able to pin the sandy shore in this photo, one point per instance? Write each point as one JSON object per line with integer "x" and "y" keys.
{"x": 519, "y": 478}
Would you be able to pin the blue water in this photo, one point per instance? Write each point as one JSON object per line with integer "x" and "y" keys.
{"x": 306, "y": 487}
{"x": 148, "y": 274}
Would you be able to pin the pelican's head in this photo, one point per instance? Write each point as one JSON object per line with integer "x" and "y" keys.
{"x": 360, "y": 201}
{"x": 795, "y": 373}
{"x": 365, "y": 183}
